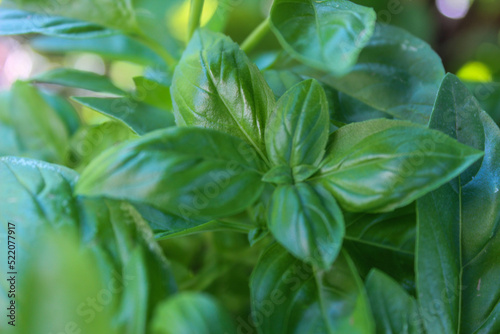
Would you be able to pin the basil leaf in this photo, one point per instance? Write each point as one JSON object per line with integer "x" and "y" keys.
{"x": 167, "y": 226}
{"x": 383, "y": 241}
{"x": 323, "y": 34}
{"x": 153, "y": 93}
{"x": 18, "y": 22}
{"x": 307, "y": 221}
{"x": 132, "y": 252}
{"x": 290, "y": 297}
{"x": 191, "y": 172}
{"x": 127, "y": 256}
{"x": 396, "y": 73}
{"x": 45, "y": 135}
{"x": 92, "y": 140}
{"x": 280, "y": 81}
{"x": 139, "y": 117}
{"x": 390, "y": 168}
{"x": 190, "y": 312}
{"x": 488, "y": 96}
{"x": 297, "y": 131}
{"x": 45, "y": 193}
{"x": 457, "y": 269}
{"x": 216, "y": 86}
{"x": 394, "y": 311}
{"x": 113, "y": 14}
{"x": 65, "y": 110}
{"x": 79, "y": 79}
{"x": 116, "y": 47}
{"x": 52, "y": 276}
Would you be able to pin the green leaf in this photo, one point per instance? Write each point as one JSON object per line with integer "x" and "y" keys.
{"x": 379, "y": 171}
{"x": 290, "y": 297}
{"x": 281, "y": 81}
{"x": 307, "y": 221}
{"x": 191, "y": 172}
{"x": 192, "y": 313}
{"x": 383, "y": 241}
{"x": 326, "y": 34}
{"x": 458, "y": 241}
{"x": 130, "y": 262}
{"x": 396, "y": 73}
{"x": 488, "y": 95}
{"x": 18, "y": 22}
{"x": 394, "y": 310}
{"x": 113, "y": 14}
{"x": 297, "y": 131}
{"x": 79, "y": 79}
{"x": 65, "y": 110}
{"x": 39, "y": 131}
{"x": 139, "y": 117}
{"x": 167, "y": 226}
{"x": 92, "y": 140}
{"x": 216, "y": 86}
{"x": 153, "y": 93}
{"x": 116, "y": 47}
{"x": 51, "y": 279}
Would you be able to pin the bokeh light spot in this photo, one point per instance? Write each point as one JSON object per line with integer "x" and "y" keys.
{"x": 475, "y": 71}
{"x": 454, "y": 9}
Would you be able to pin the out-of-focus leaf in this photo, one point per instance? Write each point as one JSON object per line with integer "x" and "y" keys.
{"x": 290, "y": 297}
{"x": 396, "y": 73}
{"x": 153, "y": 93}
{"x": 79, "y": 79}
{"x": 92, "y": 140}
{"x": 116, "y": 47}
{"x": 488, "y": 96}
{"x": 192, "y": 313}
{"x": 18, "y": 22}
{"x": 39, "y": 132}
{"x": 132, "y": 265}
{"x": 139, "y": 117}
{"x": 65, "y": 110}
{"x": 281, "y": 80}
{"x": 188, "y": 171}
{"x": 49, "y": 294}
{"x": 117, "y": 14}
{"x": 327, "y": 35}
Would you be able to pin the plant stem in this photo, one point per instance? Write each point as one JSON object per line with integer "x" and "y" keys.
{"x": 194, "y": 16}
{"x": 256, "y": 36}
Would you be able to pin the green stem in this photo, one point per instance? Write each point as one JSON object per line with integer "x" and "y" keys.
{"x": 194, "y": 16}
{"x": 256, "y": 36}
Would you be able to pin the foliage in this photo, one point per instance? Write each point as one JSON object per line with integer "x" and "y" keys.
{"x": 339, "y": 183}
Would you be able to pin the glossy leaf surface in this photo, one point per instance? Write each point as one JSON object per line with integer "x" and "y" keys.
{"x": 216, "y": 86}
{"x": 307, "y": 221}
{"x": 396, "y": 73}
{"x": 290, "y": 297}
{"x": 383, "y": 170}
{"x": 457, "y": 269}
{"x": 186, "y": 171}
{"x": 323, "y": 34}
{"x": 297, "y": 130}
{"x": 191, "y": 313}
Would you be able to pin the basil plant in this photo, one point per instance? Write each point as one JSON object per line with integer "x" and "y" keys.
{"x": 337, "y": 182}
